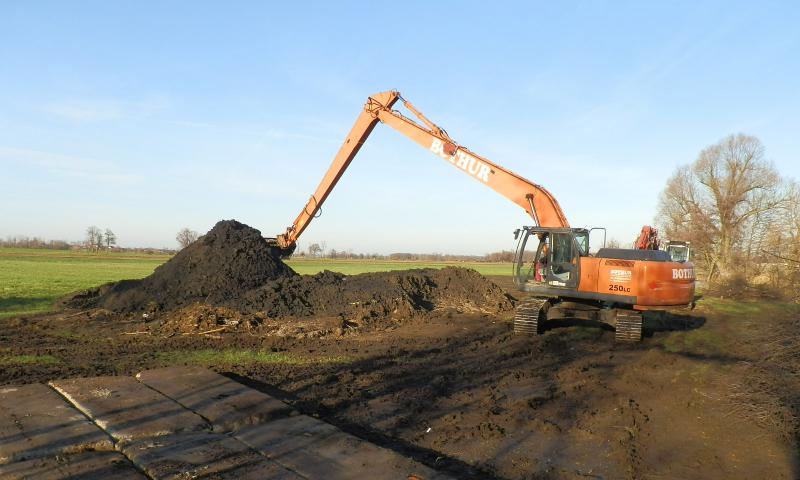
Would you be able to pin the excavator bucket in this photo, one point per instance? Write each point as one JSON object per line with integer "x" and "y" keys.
{"x": 278, "y": 250}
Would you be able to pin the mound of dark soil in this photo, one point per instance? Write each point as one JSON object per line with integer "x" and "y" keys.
{"x": 233, "y": 267}
{"x": 229, "y": 260}
{"x": 375, "y": 295}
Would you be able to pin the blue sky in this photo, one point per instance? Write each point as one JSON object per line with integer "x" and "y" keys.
{"x": 145, "y": 117}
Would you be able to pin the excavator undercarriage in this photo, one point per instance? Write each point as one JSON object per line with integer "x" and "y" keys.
{"x": 533, "y": 313}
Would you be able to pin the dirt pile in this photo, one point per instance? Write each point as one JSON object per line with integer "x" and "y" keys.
{"x": 368, "y": 296}
{"x": 229, "y": 260}
{"x": 233, "y": 267}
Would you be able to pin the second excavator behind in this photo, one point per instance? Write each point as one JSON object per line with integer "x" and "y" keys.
{"x": 552, "y": 264}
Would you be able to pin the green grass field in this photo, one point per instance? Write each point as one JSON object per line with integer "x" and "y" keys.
{"x": 353, "y": 267}
{"x": 31, "y": 280}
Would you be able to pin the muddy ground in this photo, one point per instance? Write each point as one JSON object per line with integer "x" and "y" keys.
{"x": 709, "y": 394}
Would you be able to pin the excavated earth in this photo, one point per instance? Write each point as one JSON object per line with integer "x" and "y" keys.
{"x": 230, "y": 277}
{"x": 425, "y": 362}
{"x": 223, "y": 264}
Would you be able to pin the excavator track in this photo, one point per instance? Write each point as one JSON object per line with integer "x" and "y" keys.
{"x": 529, "y": 316}
{"x": 628, "y": 326}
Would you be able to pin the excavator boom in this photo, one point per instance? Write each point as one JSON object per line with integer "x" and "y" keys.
{"x": 534, "y": 199}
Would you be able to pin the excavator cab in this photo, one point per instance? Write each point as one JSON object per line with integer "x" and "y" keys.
{"x": 549, "y": 258}
{"x": 678, "y": 251}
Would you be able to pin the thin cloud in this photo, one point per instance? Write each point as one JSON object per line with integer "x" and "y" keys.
{"x": 68, "y": 166}
{"x": 85, "y": 111}
{"x": 257, "y": 131}
{"x": 88, "y": 110}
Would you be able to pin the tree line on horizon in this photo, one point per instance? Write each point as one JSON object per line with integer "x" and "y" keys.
{"x": 96, "y": 240}
{"x": 315, "y": 250}
{"x": 740, "y": 215}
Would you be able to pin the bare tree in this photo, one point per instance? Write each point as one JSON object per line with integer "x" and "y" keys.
{"x": 781, "y": 247}
{"x": 186, "y": 237}
{"x": 94, "y": 238}
{"x": 111, "y": 238}
{"x": 724, "y": 203}
{"x": 792, "y": 223}
{"x": 314, "y": 249}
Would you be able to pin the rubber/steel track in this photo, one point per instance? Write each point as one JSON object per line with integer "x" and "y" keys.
{"x": 530, "y": 316}
{"x": 628, "y": 326}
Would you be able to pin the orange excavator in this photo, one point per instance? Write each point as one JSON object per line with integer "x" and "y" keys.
{"x": 553, "y": 263}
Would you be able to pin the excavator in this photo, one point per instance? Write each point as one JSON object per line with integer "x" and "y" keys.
{"x": 553, "y": 263}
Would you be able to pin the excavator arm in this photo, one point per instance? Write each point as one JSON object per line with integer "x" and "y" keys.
{"x": 648, "y": 239}
{"x": 534, "y": 199}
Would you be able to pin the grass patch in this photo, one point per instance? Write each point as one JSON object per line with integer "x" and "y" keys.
{"x": 28, "y": 360}
{"x": 729, "y": 325}
{"x": 749, "y": 308}
{"x": 697, "y": 342}
{"x": 242, "y": 357}
{"x": 31, "y": 280}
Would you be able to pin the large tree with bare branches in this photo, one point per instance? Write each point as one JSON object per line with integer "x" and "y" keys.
{"x": 725, "y": 203}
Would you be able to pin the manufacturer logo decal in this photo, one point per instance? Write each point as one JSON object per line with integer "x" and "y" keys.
{"x": 683, "y": 273}
{"x": 620, "y": 276}
{"x": 462, "y": 160}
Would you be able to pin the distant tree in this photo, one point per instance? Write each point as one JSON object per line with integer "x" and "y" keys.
{"x": 314, "y": 249}
{"x": 186, "y": 237}
{"x": 94, "y": 238}
{"x": 111, "y": 238}
{"x": 613, "y": 243}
